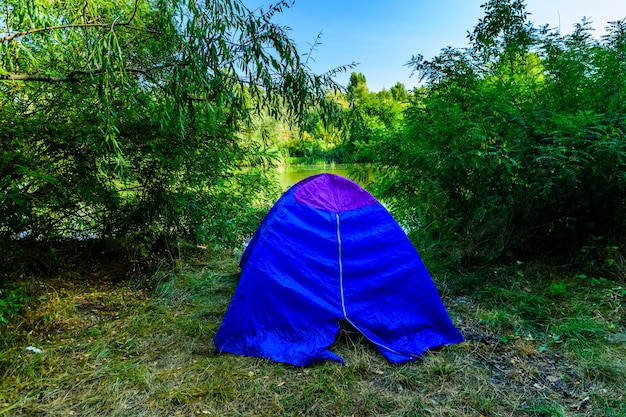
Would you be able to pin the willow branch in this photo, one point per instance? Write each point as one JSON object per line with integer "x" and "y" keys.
{"x": 75, "y": 75}
{"x": 72, "y": 26}
{"x": 11, "y": 36}
{"x": 47, "y": 28}
{"x": 37, "y": 78}
{"x": 132, "y": 17}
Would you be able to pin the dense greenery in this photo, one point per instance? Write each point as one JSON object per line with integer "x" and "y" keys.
{"x": 515, "y": 145}
{"x": 362, "y": 117}
{"x": 127, "y": 118}
{"x": 375, "y": 117}
{"x": 154, "y": 119}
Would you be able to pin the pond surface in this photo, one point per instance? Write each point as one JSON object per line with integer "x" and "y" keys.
{"x": 291, "y": 174}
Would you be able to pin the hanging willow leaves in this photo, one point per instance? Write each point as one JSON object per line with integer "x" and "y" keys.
{"x": 121, "y": 117}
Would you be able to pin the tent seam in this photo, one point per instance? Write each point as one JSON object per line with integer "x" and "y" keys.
{"x": 343, "y": 300}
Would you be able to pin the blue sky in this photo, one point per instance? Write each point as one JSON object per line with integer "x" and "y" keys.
{"x": 382, "y": 35}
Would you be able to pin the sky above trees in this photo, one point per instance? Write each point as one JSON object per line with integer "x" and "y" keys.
{"x": 382, "y": 36}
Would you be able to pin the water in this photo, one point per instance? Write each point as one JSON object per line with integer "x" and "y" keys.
{"x": 291, "y": 174}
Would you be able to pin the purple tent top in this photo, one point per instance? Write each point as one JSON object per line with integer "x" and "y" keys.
{"x": 332, "y": 192}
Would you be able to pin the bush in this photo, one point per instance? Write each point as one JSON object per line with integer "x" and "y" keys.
{"x": 515, "y": 148}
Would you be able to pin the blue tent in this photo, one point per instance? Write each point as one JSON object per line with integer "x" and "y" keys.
{"x": 329, "y": 252}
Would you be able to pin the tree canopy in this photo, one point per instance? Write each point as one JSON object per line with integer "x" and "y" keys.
{"x": 122, "y": 117}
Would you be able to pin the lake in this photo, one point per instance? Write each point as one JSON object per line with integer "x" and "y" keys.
{"x": 291, "y": 174}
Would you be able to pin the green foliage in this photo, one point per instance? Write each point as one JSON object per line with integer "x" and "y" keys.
{"x": 10, "y": 303}
{"x": 126, "y": 118}
{"x": 321, "y": 136}
{"x": 375, "y": 118}
{"x": 357, "y": 87}
{"x": 515, "y": 147}
{"x": 399, "y": 93}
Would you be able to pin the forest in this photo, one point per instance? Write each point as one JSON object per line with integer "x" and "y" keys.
{"x": 139, "y": 145}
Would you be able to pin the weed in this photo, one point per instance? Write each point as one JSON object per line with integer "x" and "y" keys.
{"x": 500, "y": 320}
{"x": 10, "y": 303}
{"x": 603, "y": 364}
{"x": 579, "y": 330}
{"x": 557, "y": 289}
{"x": 543, "y": 408}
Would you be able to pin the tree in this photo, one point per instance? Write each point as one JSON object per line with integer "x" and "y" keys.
{"x": 375, "y": 118}
{"x": 399, "y": 93}
{"x": 357, "y": 87}
{"x": 123, "y": 117}
{"x": 515, "y": 147}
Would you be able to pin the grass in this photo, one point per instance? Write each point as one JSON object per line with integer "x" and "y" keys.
{"x": 536, "y": 345}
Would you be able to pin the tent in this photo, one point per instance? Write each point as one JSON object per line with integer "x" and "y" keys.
{"x": 329, "y": 252}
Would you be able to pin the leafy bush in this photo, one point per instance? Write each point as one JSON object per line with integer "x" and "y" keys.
{"x": 516, "y": 146}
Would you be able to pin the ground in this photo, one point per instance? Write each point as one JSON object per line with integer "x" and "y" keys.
{"x": 540, "y": 341}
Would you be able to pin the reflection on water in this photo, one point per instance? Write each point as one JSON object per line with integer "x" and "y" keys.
{"x": 291, "y": 174}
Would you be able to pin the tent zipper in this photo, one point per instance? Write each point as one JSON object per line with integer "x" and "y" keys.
{"x": 343, "y": 300}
